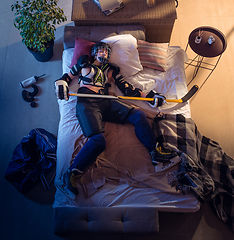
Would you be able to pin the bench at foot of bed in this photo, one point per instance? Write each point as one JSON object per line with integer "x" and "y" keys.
{"x": 105, "y": 222}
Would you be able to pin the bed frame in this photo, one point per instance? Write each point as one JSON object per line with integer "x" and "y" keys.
{"x": 121, "y": 222}
{"x": 105, "y": 222}
{"x": 118, "y": 222}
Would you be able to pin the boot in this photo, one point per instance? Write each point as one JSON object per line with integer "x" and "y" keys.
{"x": 163, "y": 160}
{"x": 161, "y": 155}
{"x": 67, "y": 183}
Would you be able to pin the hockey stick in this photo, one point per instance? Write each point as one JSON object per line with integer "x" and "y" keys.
{"x": 191, "y": 92}
{"x": 186, "y": 97}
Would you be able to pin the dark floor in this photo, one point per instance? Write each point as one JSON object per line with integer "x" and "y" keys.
{"x": 31, "y": 218}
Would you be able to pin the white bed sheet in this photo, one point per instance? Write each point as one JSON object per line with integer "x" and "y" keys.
{"x": 172, "y": 84}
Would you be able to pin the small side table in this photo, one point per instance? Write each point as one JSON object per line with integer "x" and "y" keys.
{"x": 206, "y": 42}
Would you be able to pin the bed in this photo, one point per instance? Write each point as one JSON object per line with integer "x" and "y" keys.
{"x": 121, "y": 193}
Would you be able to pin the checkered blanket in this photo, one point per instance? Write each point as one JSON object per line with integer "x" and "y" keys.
{"x": 181, "y": 133}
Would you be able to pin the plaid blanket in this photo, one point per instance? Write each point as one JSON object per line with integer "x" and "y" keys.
{"x": 182, "y": 133}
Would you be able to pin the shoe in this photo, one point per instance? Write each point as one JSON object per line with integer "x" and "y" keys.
{"x": 67, "y": 183}
{"x": 159, "y": 154}
{"x": 163, "y": 159}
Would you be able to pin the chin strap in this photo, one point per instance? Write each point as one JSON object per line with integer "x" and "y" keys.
{"x": 102, "y": 60}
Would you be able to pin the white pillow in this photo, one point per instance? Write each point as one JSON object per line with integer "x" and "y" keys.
{"x": 124, "y": 54}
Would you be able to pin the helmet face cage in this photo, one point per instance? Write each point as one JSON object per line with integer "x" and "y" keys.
{"x": 98, "y": 46}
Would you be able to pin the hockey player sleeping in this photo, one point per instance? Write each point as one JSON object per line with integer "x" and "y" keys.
{"x": 95, "y": 78}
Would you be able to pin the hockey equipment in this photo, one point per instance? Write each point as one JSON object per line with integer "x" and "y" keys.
{"x": 159, "y": 136}
{"x": 35, "y": 91}
{"x": 32, "y": 159}
{"x": 61, "y": 88}
{"x": 126, "y": 88}
{"x": 82, "y": 62}
{"x": 105, "y": 90}
{"x": 160, "y": 155}
{"x": 162, "y": 160}
{"x": 101, "y": 46}
{"x": 66, "y": 78}
{"x": 67, "y": 183}
{"x": 96, "y": 75}
{"x": 186, "y": 97}
{"x": 33, "y": 104}
{"x": 30, "y": 81}
{"x": 29, "y": 96}
{"x": 26, "y": 97}
{"x": 163, "y": 166}
{"x": 182, "y": 100}
{"x": 132, "y": 92}
{"x": 159, "y": 99}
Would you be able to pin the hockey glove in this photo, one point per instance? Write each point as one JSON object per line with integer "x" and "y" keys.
{"x": 61, "y": 88}
{"x": 82, "y": 62}
{"x": 132, "y": 92}
{"x": 159, "y": 99}
{"x": 126, "y": 88}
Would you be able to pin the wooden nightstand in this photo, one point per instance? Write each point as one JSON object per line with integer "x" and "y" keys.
{"x": 206, "y": 42}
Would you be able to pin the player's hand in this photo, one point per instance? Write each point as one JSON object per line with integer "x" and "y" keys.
{"x": 61, "y": 88}
{"x": 159, "y": 99}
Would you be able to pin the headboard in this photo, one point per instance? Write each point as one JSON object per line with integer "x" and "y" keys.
{"x": 97, "y": 33}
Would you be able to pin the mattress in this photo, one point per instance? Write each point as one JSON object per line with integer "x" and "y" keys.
{"x": 117, "y": 183}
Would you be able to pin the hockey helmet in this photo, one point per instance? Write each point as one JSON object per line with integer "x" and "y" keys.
{"x": 101, "y": 45}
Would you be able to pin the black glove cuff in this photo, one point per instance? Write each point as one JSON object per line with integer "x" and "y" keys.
{"x": 61, "y": 92}
{"x": 151, "y": 94}
{"x": 132, "y": 92}
{"x": 105, "y": 90}
{"x": 66, "y": 78}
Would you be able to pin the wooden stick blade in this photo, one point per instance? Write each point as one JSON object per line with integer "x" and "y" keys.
{"x": 191, "y": 92}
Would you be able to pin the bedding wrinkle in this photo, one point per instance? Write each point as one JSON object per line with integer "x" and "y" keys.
{"x": 78, "y": 145}
{"x": 148, "y": 79}
{"x": 118, "y": 163}
{"x": 123, "y": 173}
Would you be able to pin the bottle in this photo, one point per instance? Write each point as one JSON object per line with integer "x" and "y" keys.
{"x": 30, "y": 81}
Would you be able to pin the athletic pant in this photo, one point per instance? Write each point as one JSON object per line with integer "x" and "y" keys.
{"x": 97, "y": 142}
